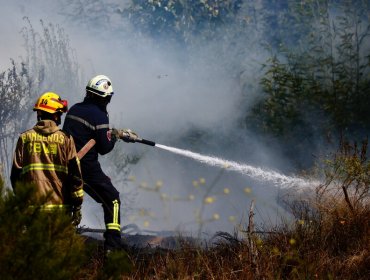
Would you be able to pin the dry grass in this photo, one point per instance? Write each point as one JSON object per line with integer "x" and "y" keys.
{"x": 330, "y": 238}
{"x": 325, "y": 248}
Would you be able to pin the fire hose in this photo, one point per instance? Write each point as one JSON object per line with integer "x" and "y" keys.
{"x": 81, "y": 153}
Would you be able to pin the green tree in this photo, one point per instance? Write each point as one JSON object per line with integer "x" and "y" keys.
{"x": 319, "y": 86}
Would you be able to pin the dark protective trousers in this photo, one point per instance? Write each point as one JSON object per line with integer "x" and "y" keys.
{"x": 106, "y": 194}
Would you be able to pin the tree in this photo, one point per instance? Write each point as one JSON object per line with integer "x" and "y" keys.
{"x": 319, "y": 86}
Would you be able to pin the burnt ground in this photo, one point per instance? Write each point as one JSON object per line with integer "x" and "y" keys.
{"x": 133, "y": 237}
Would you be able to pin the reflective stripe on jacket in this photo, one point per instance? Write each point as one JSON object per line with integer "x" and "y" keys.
{"x": 84, "y": 121}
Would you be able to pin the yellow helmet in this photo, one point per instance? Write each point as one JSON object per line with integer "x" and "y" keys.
{"x": 51, "y": 102}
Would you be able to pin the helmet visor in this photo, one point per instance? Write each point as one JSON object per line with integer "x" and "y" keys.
{"x": 65, "y": 105}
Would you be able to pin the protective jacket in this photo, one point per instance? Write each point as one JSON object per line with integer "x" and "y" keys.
{"x": 46, "y": 156}
{"x": 89, "y": 120}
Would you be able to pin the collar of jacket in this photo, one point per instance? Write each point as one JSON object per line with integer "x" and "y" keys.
{"x": 46, "y": 127}
{"x": 91, "y": 100}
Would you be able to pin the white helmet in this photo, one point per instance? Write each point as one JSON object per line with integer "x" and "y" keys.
{"x": 100, "y": 85}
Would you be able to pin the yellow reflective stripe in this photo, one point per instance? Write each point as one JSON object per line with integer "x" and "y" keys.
{"x": 115, "y": 211}
{"x": 44, "y": 166}
{"x": 52, "y": 207}
{"x": 114, "y": 226}
{"x": 79, "y": 193}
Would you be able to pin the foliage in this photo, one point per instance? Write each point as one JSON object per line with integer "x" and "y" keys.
{"x": 116, "y": 264}
{"x": 173, "y": 20}
{"x": 348, "y": 174}
{"x": 14, "y": 91}
{"x": 320, "y": 85}
{"x": 36, "y": 244}
{"x": 180, "y": 20}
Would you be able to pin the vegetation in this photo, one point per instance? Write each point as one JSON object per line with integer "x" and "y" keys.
{"x": 39, "y": 244}
{"x": 315, "y": 85}
{"x": 14, "y": 80}
{"x": 36, "y": 244}
{"x": 173, "y": 20}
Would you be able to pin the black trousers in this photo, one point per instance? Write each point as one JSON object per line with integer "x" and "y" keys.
{"x": 105, "y": 193}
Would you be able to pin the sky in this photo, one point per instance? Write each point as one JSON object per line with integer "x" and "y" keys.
{"x": 162, "y": 99}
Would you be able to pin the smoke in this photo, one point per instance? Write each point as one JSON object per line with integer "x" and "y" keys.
{"x": 10, "y": 46}
{"x": 190, "y": 99}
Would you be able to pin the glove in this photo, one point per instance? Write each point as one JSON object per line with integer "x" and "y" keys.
{"x": 126, "y": 135}
{"x": 76, "y": 215}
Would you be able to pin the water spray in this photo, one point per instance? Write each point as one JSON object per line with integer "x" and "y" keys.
{"x": 258, "y": 173}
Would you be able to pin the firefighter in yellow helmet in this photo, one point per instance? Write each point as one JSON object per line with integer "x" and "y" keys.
{"x": 46, "y": 156}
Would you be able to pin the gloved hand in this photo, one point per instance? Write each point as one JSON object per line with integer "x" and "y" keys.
{"x": 126, "y": 135}
{"x": 114, "y": 134}
{"x": 76, "y": 215}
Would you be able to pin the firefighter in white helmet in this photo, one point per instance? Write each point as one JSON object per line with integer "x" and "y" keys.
{"x": 46, "y": 156}
{"x": 89, "y": 120}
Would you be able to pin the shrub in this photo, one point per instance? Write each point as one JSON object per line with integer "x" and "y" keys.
{"x": 36, "y": 244}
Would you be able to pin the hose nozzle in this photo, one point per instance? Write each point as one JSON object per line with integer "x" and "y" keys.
{"x": 144, "y": 141}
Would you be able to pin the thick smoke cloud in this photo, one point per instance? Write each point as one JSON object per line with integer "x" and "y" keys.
{"x": 162, "y": 95}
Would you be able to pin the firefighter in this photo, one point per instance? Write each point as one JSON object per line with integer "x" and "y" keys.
{"x": 46, "y": 156}
{"x": 89, "y": 120}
